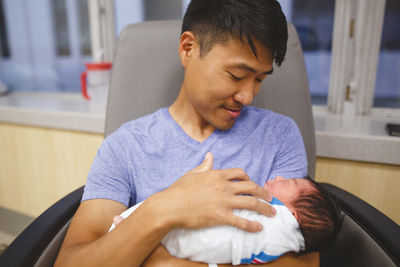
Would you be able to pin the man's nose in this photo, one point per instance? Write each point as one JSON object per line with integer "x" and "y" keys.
{"x": 245, "y": 94}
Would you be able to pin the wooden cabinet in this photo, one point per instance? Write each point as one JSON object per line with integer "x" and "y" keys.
{"x": 377, "y": 184}
{"x": 38, "y": 166}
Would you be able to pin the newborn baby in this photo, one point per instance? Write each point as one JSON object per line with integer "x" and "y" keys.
{"x": 306, "y": 220}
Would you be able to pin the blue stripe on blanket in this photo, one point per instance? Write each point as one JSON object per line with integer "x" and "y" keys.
{"x": 262, "y": 257}
{"x": 276, "y": 201}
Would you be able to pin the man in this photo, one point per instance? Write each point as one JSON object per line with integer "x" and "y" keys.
{"x": 227, "y": 48}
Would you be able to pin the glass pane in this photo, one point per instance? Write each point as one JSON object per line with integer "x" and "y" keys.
{"x": 84, "y": 30}
{"x": 313, "y": 20}
{"x": 61, "y": 27}
{"x": 135, "y": 11}
{"x": 387, "y": 91}
{"x": 4, "y": 49}
{"x": 163, "y": 10}
{"x": 48, "y": 42}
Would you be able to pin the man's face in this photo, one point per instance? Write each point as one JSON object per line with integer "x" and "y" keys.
{"x": 287, "y": 190}
{"x": 227, "y": 78}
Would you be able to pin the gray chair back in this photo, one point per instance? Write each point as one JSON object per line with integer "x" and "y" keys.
{"x": 147, "y": 75}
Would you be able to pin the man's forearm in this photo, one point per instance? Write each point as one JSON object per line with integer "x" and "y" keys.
{"x": 289, "y": 260}
{"x": 128, "y": 245}
{"x": 195, "y": 200}
{"x": 161, "y": 258}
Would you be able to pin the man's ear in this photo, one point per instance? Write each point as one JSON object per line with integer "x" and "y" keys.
{"x": 187, "y": 45}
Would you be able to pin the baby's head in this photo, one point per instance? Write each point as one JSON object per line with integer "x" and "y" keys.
{"x": 313, "y": 207}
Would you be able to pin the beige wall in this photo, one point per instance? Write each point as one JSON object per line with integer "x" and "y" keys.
{"x": 39, "y": 166}
{"x": 377, "y": 184}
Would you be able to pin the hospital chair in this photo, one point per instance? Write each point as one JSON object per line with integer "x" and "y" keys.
{"x": 147, "y": 75}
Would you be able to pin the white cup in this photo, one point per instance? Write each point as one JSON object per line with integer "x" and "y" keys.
{"x": 95, "y": 82}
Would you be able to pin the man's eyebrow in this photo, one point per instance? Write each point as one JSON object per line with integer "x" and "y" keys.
{"x": 247, "y": 67}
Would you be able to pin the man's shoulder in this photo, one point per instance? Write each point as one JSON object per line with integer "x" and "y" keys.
{"x": 139, "y": 125}
{"x": 144, "y": 121}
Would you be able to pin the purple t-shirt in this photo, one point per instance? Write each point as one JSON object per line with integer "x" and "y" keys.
{"x": 146, "y": 155}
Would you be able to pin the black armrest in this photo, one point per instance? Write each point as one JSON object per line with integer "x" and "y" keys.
{"x": 26, "y": 249}
{"x": 366, "y": 230}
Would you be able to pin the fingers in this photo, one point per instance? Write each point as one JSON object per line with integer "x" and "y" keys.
{"x": 244, "y": 224}
{"x": 250, "y": 188}
{"x": 235, "y": 174}
{"x": 254, "y": 204}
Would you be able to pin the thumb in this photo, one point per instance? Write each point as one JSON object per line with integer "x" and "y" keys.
{"x": 206, "y": 165}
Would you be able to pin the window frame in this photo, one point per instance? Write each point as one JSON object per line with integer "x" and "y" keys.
{"x": 355, "y": 54}
{"x": 102, "y": 29}
{"x": 355, "y": 51}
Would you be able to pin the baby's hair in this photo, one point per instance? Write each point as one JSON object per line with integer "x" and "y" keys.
{"x": 319, "y": 217}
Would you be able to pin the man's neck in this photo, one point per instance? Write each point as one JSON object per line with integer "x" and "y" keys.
{"x": 189, "y": 120}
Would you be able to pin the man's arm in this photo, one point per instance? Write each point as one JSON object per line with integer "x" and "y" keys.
{"x": 161, "y": 258}
{"x": 86, "y": 243}
{"x": 290, "y": 260}
{"x": 198, "y": 199}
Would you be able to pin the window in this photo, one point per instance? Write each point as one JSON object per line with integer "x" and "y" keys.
{"x": 4, "y": 49}
{"x": 44, "y": 44}
{"x": 167, "y": 10}
{"x": 72, "y": 46}
{"x": 135, "y": 11}
{"x": 84, "y": 30}
{"x": 387, "y": 90}
{"x": 313, "y": 20}
{"x": 61, "y": 27}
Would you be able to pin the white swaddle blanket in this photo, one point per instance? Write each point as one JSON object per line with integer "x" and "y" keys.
{"x": 227, "y": 244}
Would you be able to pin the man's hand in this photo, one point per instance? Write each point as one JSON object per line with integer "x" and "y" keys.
{"x": 204, "y": 197}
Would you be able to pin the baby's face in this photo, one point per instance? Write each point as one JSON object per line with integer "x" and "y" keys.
{"x": 287, "y": 190}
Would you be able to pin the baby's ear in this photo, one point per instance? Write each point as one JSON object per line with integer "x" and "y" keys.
{"x": 295, "y": 214}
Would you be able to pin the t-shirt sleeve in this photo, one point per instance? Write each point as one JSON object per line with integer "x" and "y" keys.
{"x": 108, "y": 177}
{"x": 290, "y": 160}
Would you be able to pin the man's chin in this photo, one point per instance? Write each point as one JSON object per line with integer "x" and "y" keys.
{"x": 225, "y": 126}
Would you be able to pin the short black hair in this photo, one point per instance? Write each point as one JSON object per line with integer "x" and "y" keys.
{"x": 214, "y": 21}
{"x": 319, "y": 217}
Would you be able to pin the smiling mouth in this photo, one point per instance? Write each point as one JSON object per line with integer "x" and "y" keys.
{"x": 233, "y": 112}
{"x": 235, "y": 107}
